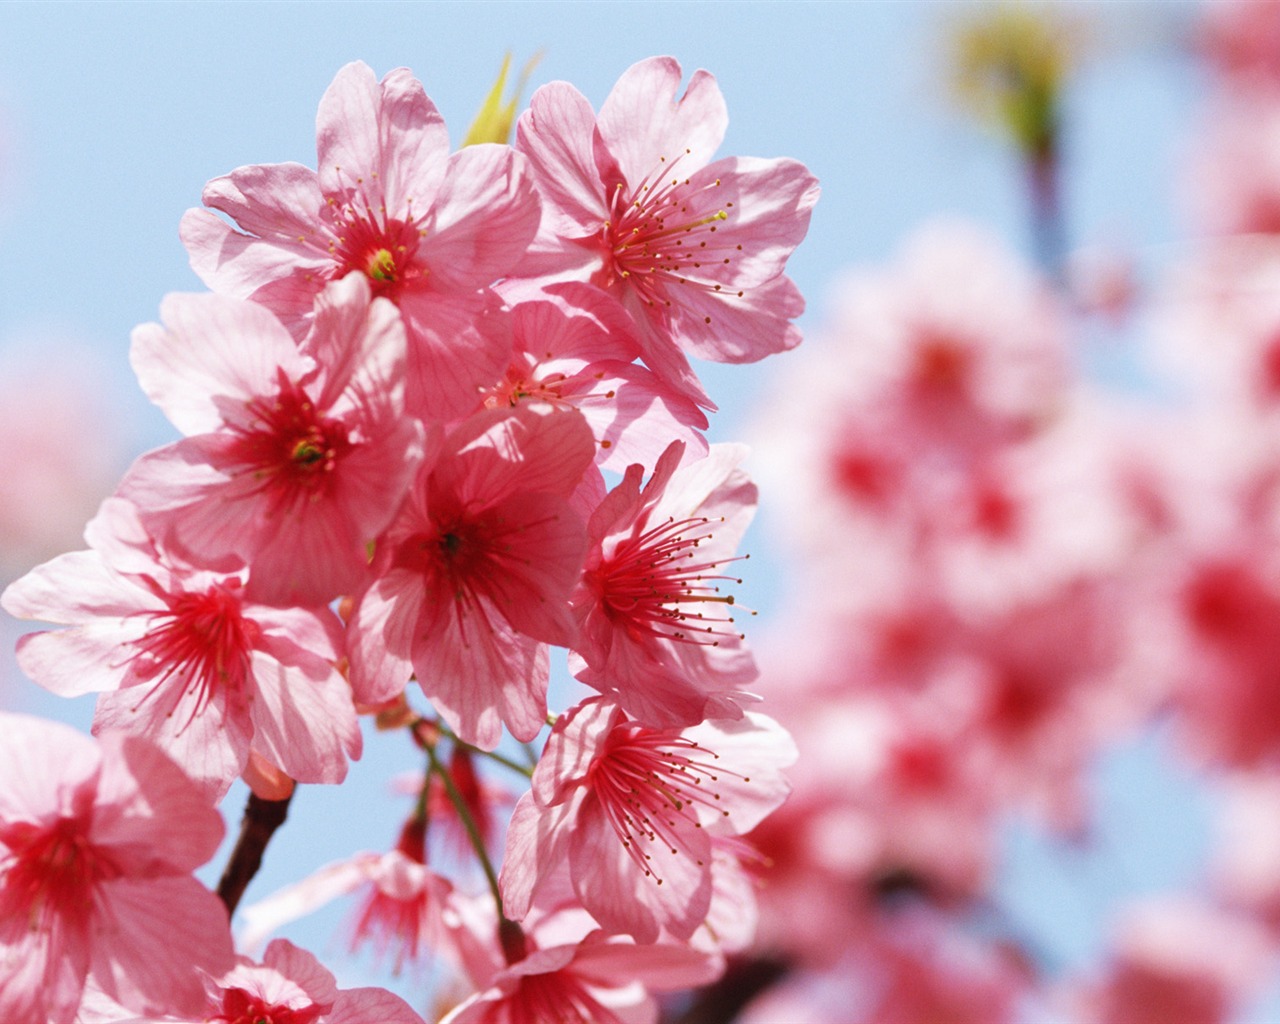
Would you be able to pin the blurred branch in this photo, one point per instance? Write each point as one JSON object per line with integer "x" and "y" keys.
{"x": 743, "y": 980}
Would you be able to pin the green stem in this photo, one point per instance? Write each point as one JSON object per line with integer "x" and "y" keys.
{"x": 492, "y": 755}
{"x": 469, "y": 823}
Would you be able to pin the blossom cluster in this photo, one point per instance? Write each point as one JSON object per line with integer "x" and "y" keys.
{"x": 401, "y": 407}
{"x": 1010, "y": 567}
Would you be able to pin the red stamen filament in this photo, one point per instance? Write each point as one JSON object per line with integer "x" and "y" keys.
{"x": 653, "y": 581}
{"x": 649, "y": 780}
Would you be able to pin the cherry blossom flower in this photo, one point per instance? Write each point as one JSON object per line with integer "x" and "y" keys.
{"x": 473, "y": 577}
{"x": 565, "y": 974}
{"x": 656, "y": 630}
{"x": 290, "y": 986}
{"x": 633, "y": 809}
{"x": 1242, "y": 38}
{"x": 574, "y": 347}
{"x": 430, "y": 230}
{"x": 299, "y": 457}
{"x": 400, "y": 913}
{"x": 97, "y": 845}
{"x": 182, "y": 657}
{"x": 1175, "y": 958}
{"x": 695, "y": 250}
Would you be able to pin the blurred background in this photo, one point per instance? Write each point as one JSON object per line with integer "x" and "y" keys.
{"x": 1016, "y": 558}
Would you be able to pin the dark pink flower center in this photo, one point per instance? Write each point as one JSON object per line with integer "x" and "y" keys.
{"x": 559, "y": 997}
{"x": 650, "y": 784}
{"x": 291, "y": 449}
{"x": 203, "y": 640}
{"x": 383, "y": 248}
{"x": 241, "y": 1007}
{"x": 51, "y": 872}
{"x": 943, "y": 364}
{"x": 657, "y": 584}
{"x": 665, "y": 231}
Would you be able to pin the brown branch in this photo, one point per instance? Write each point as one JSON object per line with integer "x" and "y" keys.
{"x": 722, "y": 1001}
{"x": 260, "y": 821}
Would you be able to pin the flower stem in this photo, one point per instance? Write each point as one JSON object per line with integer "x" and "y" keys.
{"x": 492, "y": 755}
{"x": 464, "y": 815}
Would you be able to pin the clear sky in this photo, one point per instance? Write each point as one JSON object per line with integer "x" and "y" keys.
{"x": 112, "y": 117}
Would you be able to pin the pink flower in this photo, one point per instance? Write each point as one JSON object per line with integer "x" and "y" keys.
{"x": 97, "y": 845}
{"x": 574, "y": 347}
{"x": 182, "y": 657}
{"x": 633, "y": 810}
{"x": 656, "y": 630}
{"x": 598, "y": 979}
{"x": 695, "y": 250}
{"x": 431, "y": 231}
{"x": 400, "y": 912}
{"x": 1177, "y": 959}
{"x": 300, "y": 456}
{"x": 473, "y": 577}
{"x": 290, "y": 986}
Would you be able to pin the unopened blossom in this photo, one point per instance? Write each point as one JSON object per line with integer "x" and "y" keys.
{"x": 633, "y": 810}
{"x": 430, "y": 230}
{"x": 98, "y": 841}
{"x": 297, "y": 456}
{"x": 694, "y": 249}
{"x": 472, "y": 579}
{"x": 657, "y": 630}
{"x": 181, "y": 656}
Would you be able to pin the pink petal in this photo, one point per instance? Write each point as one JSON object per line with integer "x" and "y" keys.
{"x": 303, "y": 969}
{"x": 456, "y": 347}
{"x": 483, "y": 218}
{"x": 535, "y": 844}
{"x": 42, "y": 972}
{"x": 362, "y": 1005}
{"x": 741, "y": 330}
{"x": 389, "y": 133}
{"x": 661, "y": 967}
{"x": 642, "y": 121}
{"x": 382, "y": 633}
{"x": 155, "y": 937}
{"x": 556, "y": 133}
{"x": 213, "y": 354}
{"x": 480, "y": 674}
{"x": 617, "y": 892}
{"x": 149, "y": 812}
{"x": 47, "y": 768}
{"x": 279, "y": 203}
{"x": 207, "y": 739}
{"x": 76, "y": 587}
{"x": 304, "y": 723}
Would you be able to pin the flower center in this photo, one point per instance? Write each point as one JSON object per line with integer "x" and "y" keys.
{"x": 202, "y": 640}
{"x": 241, "y": 1007}
{"x": 383, "y": 248}
{"x": 291, "y": 449}
{"x": 51, "y": 872}
{"x": 664, "y": 232}
{"x": 656, "y": 584}
{"x": 650, "y": 784}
